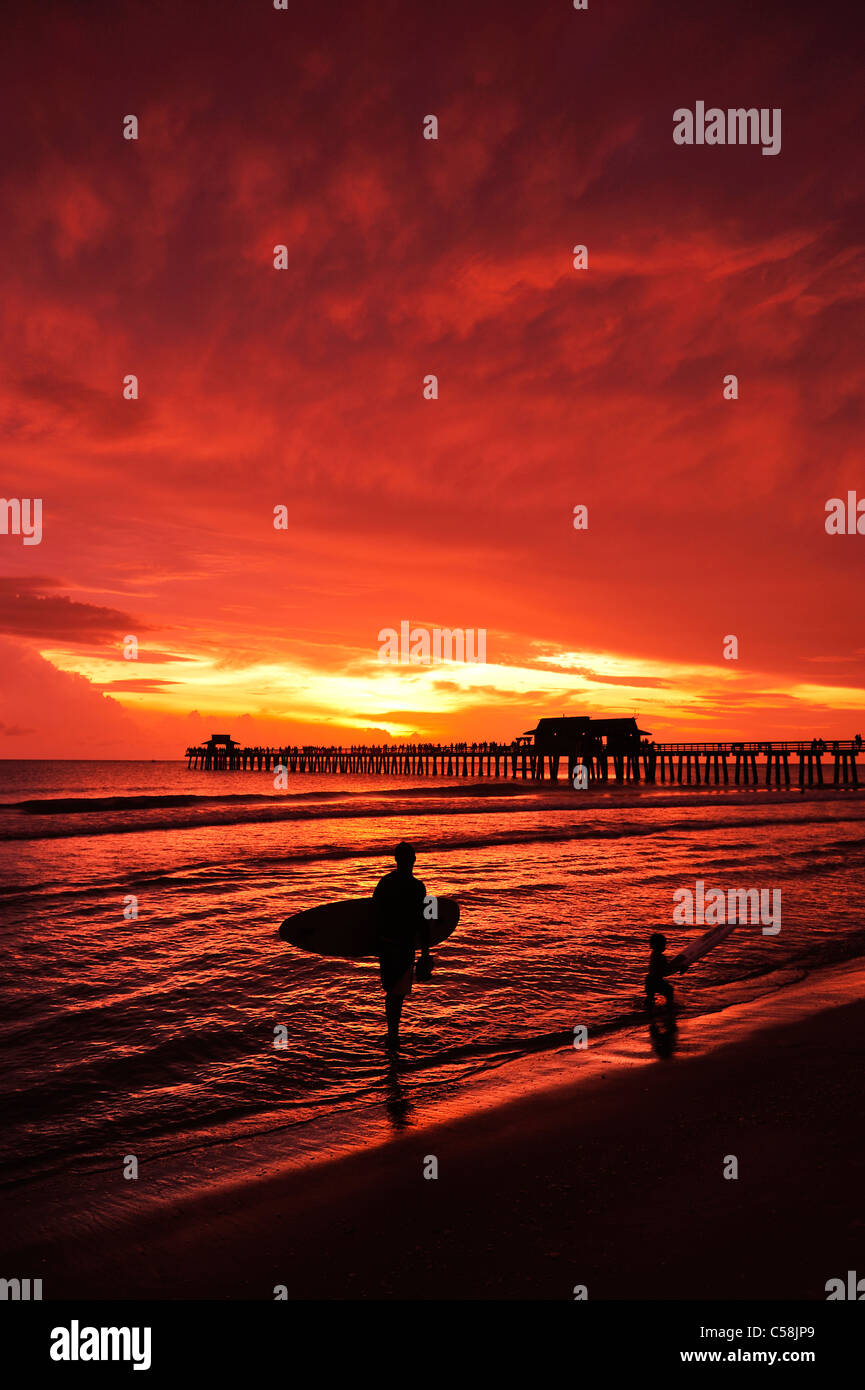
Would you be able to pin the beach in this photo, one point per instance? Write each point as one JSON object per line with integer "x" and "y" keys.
{"x": 612, "y": 1181}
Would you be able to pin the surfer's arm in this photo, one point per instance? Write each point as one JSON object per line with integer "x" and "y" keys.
{"x": 381, "y": 897}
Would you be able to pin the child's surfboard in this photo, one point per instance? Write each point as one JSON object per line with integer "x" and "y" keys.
{"x": 705, "y": 943}
{"x": 348, "y": 928}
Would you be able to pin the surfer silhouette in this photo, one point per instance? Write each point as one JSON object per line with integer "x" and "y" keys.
{"x": 659, "y": 968}
{"x": 399, "y": 912}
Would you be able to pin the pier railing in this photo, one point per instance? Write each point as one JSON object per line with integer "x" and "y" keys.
{"x": 682, "y": 763}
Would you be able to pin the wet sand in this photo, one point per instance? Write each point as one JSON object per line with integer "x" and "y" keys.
{"x": 614, "y": 1182}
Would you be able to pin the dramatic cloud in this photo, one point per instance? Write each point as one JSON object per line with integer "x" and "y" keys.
{"x": 27, "y": 610}
{"x": 74, "y": 719}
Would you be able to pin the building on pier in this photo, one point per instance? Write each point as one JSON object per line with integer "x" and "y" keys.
{"x": 221, "y": 743}
{"x": 583, "y": 737}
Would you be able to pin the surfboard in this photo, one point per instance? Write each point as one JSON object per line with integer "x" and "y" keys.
{"x": 348, "y": 928}
{"x": 705, "y": 943}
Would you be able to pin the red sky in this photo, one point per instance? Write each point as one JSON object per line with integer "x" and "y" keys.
{"x": 303, "y": 387}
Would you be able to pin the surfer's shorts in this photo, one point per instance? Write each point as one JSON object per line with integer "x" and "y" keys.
{"x": 397, "y": 972}
{"x": 656, "y": 984}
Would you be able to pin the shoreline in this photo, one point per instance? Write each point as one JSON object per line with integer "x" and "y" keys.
{"x": 611, "y": 1179}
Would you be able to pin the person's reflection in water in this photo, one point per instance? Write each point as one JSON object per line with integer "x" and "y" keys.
{"x": 398, "y": 1107}
{"x": 663, "y": 1033}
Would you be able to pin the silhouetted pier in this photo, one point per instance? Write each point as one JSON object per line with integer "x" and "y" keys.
{"x": 814, "y": 762}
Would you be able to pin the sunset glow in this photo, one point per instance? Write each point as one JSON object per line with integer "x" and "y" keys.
{"x": 303, "y": 388}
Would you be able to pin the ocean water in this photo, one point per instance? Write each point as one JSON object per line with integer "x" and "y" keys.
{"x": 158, "y": 1035}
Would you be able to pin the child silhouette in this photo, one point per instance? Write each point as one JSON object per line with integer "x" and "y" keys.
{"x": 659, "y": 968}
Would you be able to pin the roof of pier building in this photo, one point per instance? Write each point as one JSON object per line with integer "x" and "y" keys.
{"x": 573, "y": 730}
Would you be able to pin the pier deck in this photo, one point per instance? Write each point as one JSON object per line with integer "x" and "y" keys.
{"x": 734, "y": 763}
